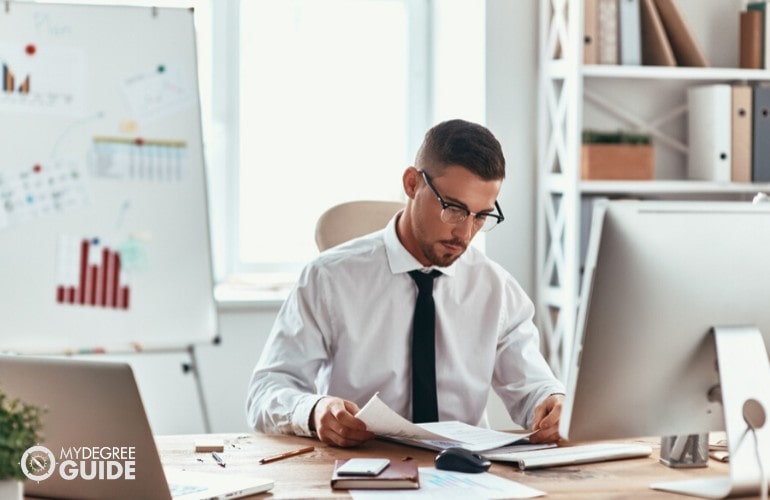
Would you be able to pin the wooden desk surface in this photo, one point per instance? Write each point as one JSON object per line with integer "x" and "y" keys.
{"x": 307, "y": 475}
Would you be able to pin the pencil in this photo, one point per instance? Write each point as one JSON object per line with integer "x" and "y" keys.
{"x": 288, "y": 454}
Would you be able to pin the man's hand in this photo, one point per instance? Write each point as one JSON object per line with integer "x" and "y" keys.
{"x": 546, "y": 420}
{"x": 334, "y": 421}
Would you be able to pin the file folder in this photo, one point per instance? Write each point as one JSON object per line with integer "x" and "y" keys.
{"x": 709, "y": 132}
{"x": 741, "y": 133}
{"x": 760, "y": 168}
{"x": 590, "y": 31}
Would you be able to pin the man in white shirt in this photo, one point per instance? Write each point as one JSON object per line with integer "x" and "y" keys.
{"x": 345, "y": 330}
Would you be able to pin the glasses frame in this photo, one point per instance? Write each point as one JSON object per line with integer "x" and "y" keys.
{"x": 476, "y": 216}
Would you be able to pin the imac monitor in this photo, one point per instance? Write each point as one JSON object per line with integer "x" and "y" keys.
{"x": 659, "y": 278}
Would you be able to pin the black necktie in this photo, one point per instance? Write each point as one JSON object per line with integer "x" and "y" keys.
{"x": 424, "y": 401}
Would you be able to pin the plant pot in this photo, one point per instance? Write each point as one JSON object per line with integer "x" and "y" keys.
{"x": 11, "y": 489}
{"x": 617, "y": 162}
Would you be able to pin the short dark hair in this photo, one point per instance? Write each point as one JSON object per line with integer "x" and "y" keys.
{"x": 458, "y": 142}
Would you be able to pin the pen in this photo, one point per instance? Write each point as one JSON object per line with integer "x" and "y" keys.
{"x": 288, "y": 454}
{"x": 219, "y": 459}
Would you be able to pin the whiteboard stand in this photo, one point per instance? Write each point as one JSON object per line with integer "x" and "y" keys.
{"x": 192, "y": 368}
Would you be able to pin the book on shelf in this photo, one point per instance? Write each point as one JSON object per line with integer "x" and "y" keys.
{"x": 656, "y": 49}
{"x": 400, "y": 474}
{"x": 761, "y": 7}
{"x": 709, "y": 132}
{"x": 608, "y": 32}
{"x": 630, "y": 32}
{"x": 751, "y": 39}
{"x": 680, "y": 36}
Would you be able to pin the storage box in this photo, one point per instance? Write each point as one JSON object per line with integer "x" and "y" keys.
{"x": 617, "y": 162}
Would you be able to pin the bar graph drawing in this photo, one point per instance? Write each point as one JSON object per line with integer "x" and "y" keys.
{"x": 47, "y": 80}
{"x": 90, "y": 273}
{"x": 9, "y": 82}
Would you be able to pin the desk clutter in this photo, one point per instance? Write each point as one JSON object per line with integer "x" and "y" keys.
{"x": 311, "y": 474}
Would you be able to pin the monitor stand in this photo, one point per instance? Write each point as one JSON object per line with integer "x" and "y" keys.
{"x": 744, "y": 376}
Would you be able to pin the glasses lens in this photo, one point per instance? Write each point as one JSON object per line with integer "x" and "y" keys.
{"x": 489, "y": 224}
{"x": 453, "y": 215}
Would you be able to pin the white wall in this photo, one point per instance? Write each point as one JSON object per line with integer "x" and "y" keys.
{"x": 170, "y": 395}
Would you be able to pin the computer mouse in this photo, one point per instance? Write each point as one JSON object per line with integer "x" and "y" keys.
{"x": 461, "y": 460}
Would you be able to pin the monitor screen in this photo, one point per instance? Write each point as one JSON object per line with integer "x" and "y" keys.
{"x": 658, "y": 277}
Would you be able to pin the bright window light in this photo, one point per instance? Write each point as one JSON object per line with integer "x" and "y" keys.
{"x": 323, "y": 118}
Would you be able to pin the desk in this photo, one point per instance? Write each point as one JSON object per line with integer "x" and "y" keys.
{"x": 307, "y": 475}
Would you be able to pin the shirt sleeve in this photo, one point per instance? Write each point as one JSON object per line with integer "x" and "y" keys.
{"x": 282, "y": 391}
{"x": 522, "y": 377}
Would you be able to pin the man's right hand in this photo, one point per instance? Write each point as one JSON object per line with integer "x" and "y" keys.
{"x": 334, "y": 422}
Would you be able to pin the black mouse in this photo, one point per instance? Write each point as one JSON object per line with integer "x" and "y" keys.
{"x": 461, "y": 460}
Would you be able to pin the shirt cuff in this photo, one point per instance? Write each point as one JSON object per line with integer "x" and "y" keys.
{"x": 300, "y": 417}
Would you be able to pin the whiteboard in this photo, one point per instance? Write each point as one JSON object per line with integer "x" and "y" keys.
{"x": 104, "y": 238}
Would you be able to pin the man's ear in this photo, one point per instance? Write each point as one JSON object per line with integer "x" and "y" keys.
{"x": 411, "y": 180}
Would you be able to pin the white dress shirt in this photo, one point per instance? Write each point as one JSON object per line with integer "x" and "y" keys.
{"x": 345, "y": 330}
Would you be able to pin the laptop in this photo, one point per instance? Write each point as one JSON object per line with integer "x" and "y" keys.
{"x": 97, "y": 442}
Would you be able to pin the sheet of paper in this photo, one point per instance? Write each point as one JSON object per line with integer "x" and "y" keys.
{"x": 441, "y": 485}
{"x": 382, "y": 420}
{"x": 475, "y": 438}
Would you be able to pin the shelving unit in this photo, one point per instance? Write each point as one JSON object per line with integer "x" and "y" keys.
{"x": 647, "y": 99}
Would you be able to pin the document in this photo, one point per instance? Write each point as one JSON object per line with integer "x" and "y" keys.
{"x": 440, "y": 484}
{"x": 383, "y": 421}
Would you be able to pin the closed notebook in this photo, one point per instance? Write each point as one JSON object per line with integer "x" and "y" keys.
{"x": 686, "y": 49}
{"x": 399, "y": 475}
{"x": 656, "y": 49}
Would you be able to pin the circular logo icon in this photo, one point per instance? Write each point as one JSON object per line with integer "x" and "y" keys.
{"x": 38, "y": 463}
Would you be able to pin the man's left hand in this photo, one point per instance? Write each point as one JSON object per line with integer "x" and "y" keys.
{"x": 546, "y": 420}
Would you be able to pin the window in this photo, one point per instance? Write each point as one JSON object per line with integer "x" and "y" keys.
{"x": 334, "y": 98}
{"x": 326, "y": 92}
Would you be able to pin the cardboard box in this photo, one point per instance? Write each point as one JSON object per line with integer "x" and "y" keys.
{"x": 617, "y": 162}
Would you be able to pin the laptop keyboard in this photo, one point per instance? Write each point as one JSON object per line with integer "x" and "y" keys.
{"x": 177, "y": 489}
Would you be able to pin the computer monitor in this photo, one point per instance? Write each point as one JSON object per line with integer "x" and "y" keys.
{"x": 659, "y": 278}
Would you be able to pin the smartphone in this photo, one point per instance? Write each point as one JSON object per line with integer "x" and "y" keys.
{"x": 363, "y": 467}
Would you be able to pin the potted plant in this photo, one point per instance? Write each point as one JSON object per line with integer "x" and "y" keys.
{"x": 20, "y": 428}
{"x": 616, "y": 156}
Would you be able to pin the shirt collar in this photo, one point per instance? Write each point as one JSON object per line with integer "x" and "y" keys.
{"x": 399, "y": 258}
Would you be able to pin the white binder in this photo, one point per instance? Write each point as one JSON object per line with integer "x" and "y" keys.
{"x": 709, "y": 132}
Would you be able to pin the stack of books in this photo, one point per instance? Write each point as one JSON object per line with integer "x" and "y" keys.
{"x": 638, "y": 32}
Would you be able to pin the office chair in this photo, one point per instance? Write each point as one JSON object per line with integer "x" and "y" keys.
{"x": 349, "y": 220}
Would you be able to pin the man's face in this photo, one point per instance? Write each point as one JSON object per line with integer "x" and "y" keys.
{"x": 438, "y": 242}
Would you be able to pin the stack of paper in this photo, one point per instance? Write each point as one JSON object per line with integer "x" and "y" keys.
{"x": 383, "y": 421}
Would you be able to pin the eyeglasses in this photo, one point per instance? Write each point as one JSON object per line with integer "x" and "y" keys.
{"x": 452, "y": 213}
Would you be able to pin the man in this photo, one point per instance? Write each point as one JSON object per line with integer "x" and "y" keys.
{"x": 345, "y": 331}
